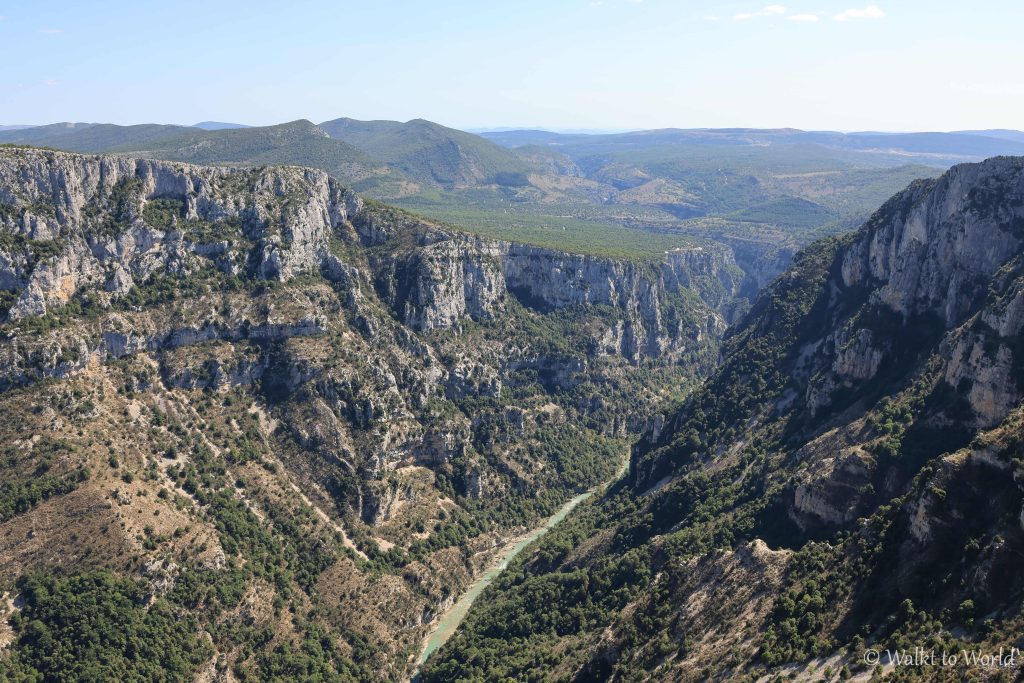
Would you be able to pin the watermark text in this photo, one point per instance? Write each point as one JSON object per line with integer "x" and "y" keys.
{"x": 1003, "y": 658}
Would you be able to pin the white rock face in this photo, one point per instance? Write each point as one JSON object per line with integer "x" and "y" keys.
{"x": 709, "y": 270}
{"x": 993, "y": 393}
{"x": 449, "y": 280}
{"x": 55, "y": 282}
{"x": 86, "y": 190}
{"x": 921, "y": 519}
{"x": 449, "y": 277}
{"x": 942, "y": 242}
{"x": 833, "y": 488}
{"x": 925, "y": 262}
{"x": 859, "y": 358}
{"x": 814, "y": 502}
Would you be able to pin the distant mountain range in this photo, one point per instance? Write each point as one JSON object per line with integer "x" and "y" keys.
{"x": 1001, "y": 133}
{"x": 567, "y": 131}
{"x": 369, "y": 155}
{"x": 434, "y": 154}
{"x": 90, "y": 137}
{"x": 218, "y": 125}
{"x": 944, "y": 145}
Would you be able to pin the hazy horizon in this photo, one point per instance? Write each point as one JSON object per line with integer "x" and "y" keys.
{"x": 843, "y": 65}
{"x": 500, "y": 128}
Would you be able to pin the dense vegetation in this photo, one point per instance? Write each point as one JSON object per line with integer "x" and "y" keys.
{"x": 100, "y": 627}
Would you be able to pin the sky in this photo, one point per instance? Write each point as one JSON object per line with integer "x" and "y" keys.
{"x": 557, "y": 64}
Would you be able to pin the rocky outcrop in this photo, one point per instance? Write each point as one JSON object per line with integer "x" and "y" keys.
{"x": 833, "y": 490}
{"x": 443, "y": 281}
{"x": 992, "y": 389}
{"x": 53, "y": 283}
{"x": 547, "y": 280}
{"x": 922, "y": 266}
{"x": 450, "y": 277}
{"x": 935, "y": 247}
{"x": 117, "y": 335}
{"x": 287, "y": 215}
{"x": 709, "y": 270}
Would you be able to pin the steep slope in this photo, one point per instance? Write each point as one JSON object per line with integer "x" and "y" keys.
{"x": 430, "y": 153}
{"x": 263, "y": 428}
{"x": 850, "y": 477}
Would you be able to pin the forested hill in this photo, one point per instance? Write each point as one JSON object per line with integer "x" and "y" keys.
{"x": 432, "y": 154}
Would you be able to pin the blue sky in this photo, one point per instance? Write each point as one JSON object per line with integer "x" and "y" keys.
{"x": 815, "y": 64}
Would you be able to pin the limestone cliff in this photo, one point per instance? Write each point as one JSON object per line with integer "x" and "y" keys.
{"x": 286, "y": 219}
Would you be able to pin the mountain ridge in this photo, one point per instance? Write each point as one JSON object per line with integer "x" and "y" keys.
{"x": 429, "y": 152}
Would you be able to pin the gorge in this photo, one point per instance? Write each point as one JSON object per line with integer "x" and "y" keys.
{"x": 280, "y": 429}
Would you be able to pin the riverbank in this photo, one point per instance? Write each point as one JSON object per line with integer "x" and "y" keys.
{"x": 449, "y": 621}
